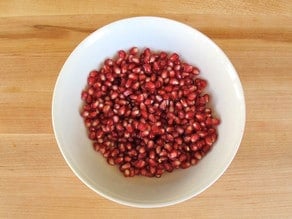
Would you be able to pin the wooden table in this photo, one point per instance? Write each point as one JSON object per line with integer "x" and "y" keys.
{"x": 37, "y": 36}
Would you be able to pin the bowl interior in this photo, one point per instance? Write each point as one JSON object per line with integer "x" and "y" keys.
{"x": 157, "y": 34}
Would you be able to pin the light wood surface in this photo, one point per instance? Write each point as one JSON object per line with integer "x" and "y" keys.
{"x": 37, "y": 36}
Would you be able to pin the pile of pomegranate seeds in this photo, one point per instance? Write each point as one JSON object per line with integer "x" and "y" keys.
{"x": 146, "y": 113}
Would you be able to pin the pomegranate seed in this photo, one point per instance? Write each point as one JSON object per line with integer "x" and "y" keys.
{"x": 122, "y": 54}
{"x": 176, "y": 163}
{"x": 180, "y": 130}
{"x": 91, "y": 91}
{"x": 127, "y": 158}
{"x": 200, "y": 117}
{"x": 127, "y": 173}
{"x": 196, "y": 126}
{"x": 142, "y": 156}
{"x": 125, "y": 166}
{"x": 158, "y": 98}
{"x": 85, "y": 114}
{"x": 184, "y": 103}
{"x": 164, "y": 74}
{"x": 172, "y": 74}
{"x": 192, "y": 96}
{"x": 172, "y": 154}
{"x": 206, "y": 148}
{"x": 194, "y": 161}
{"x": 182, "y": 157}
{"x": 187, "y": 67}
{"x": 198, "y": 155}
{"x": 215, "y": 121}
{"x": 109, "y": 62}
{"x": 168, "y": 147}
{"x": 189, "y": 129}
{"x": 162, "y": 159}
{"x": 119, "y": 160}
{"x": 196, "y": 71}
{"x": 116, "y": 119}
{"x": 84, "y": 95}
{"x": 209, "y": 122}
{"x": 143, "y": 172}
{"x": 111, "y": 161}
{"x": 159, "y": 172}
{"x": 133, "y": 50}
{"x": 158, "y": 149}
{"x": 97, "y": 146}
{"x": 163, "y": 153}
{"x": 185, "y": 165}
{"x": 117, "y": 70}
{"x": 136, "y": 70}
{"x": 142, "y": 150}
{"x": 209, "y": 140}
{"x": 152, "y": 170}
{"x": 189, "y": 115}
{"x": 174, "y": 81}
{"x": 156, "y": 66}
{"x": 132, "y": 172}
{"x": 147, "y": 68}
{"x": 140, "y": 164}
{"x": 147, "y": 113}
{"x": 114, "y": 152}
{"x": 202, "y": 134}
{"x": 152, "y": 154}
{"x": 173, "y": 57}
{"x": 168, "y": 167}
{"x": 150, "y": 86}
{"x": 195, "y": 137}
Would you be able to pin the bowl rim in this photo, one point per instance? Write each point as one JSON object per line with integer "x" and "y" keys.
{"x": 83, "y": 178}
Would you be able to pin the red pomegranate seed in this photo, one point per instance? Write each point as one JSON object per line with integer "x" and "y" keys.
{"x": 136, "y": 70}
{"x": 142, "y": 156}
{"x": 176, "y": 163}
{"x": 172, "y": 155}
{"x": 152, "y": 170}
{"x": 206, "y": 148}
{"x": 127, "y": 172}
{"x": 215, "y": 121}
{"x": 182, "y": 157}
{"x": 111, "y": 161}
{"x": 127, "y": 158}
{"x": 189, "y": 115}
{"x": 140, "y": 164}
{"x": 147, "y": 68}
{"x": 192, "y": 96}
{"x": 122, "y": 54}
{"x": 118, "y": 160}
{"x": 150, "y": 86}
{"x": 133, "y": 50}
{"x": 187, "y": 67}
{"x": 198, "y": 155}
{"x": 172, "y": 75}
{"x": 185, "y": 165}
{"x": 194, "y": 161}
{"x": 156, "y": 66}
{"x": 195, "y": 137}
{"x": 168, "y": 167}
{"x": 148, "y": 113}
{"x": 200, "y": 117}
{"x": 174, "y": 57}
{"x": 125, "y": 166}
{"x": 196, "y": 71}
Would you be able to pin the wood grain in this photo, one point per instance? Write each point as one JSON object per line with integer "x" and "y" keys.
{"x": 128, "y": 7}
{"x": 36, "y": 37}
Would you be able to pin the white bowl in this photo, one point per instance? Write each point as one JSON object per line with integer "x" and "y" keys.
{"x": 157, "y": 34}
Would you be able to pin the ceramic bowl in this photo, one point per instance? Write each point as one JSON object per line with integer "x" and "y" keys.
{"x": 158, "y": 34}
